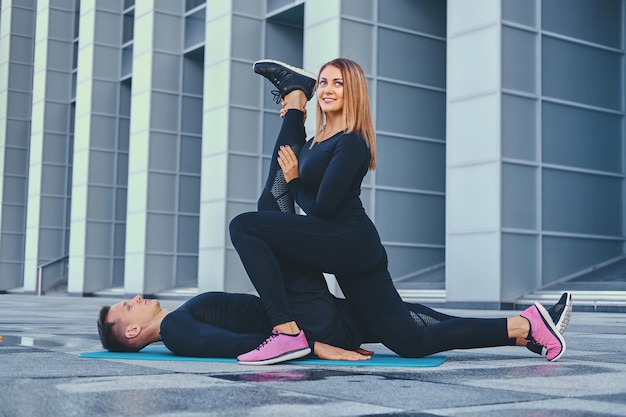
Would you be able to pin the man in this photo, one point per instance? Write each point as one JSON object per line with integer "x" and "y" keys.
{"x": 217, "y": 324}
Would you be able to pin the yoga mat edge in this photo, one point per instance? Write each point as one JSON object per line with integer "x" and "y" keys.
{"x": 162, "y": 354}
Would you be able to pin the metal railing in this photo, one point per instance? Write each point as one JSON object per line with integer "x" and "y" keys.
{"x": 40, "y": 269}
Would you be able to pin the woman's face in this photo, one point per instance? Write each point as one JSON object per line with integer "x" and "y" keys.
{"x": 330, "y": 90}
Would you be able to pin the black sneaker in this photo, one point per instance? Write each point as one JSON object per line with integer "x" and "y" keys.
{"x": 286, "y": 78}
{"x": 560, "y": 314}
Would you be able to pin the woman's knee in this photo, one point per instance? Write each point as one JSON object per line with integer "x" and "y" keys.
{"x": 239, "y": 224}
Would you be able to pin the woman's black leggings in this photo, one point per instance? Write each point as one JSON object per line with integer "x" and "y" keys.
{"x": 352, "y": 251}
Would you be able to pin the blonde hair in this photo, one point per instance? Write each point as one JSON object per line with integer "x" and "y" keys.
{"x": 356, "y": 105}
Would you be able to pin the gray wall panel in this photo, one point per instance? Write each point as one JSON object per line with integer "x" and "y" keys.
{"x": 582, "y": 138}
{"x": 582, "y": 74}
{"x": 582, "y": 203}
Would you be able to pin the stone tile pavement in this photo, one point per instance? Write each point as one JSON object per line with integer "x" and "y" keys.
{"x": 42, "y": 375}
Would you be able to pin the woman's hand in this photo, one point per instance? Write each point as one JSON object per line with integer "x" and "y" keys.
{"x": 324, "y": 351}
{"x": 288, "y": 163}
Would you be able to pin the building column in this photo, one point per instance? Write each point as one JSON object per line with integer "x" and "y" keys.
{"x": 473, "y": 162}
{"x": 99, "y": 158}
{"x": 17, "y": 33}
{"x": 214, "y": 217}
{"x": 154, "y": 183}
{"x": 49, "y": 193}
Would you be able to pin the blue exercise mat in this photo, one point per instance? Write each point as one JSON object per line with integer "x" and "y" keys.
{"x": 163, "y": 354}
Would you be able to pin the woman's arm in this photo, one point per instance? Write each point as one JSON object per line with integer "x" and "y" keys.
{"x": 344, "y": 173}
{"x": 324, "y": 351}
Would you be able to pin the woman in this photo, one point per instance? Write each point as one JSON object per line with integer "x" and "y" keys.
{"x": 336, "y": 236}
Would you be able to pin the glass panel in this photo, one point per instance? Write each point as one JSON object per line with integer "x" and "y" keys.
{"x": 121, "y": 175}
{"x": 53, "y": 179}
{"x": 166, "y": 72}
{"x": 189, "y": 194}
{"x": 161, "y": 192}
{"x": 160, "y": 231}
{"x": 582, "y": 203}
{"x": 193, "y": 73}
{"x": 563, "y": 256}
{"x": 190, "y": 4}
{"x": 106, "y": 62}
{"x": 129, "y": 27}
{"x": 22, "y": 50}
{"x": 190, "y": 154}
{"x": 409, "y": 260}
{"x": 163, "y": 151}
{"x": 420, "y": 16}
{"x": 362, "y": 9}
{"x": 284, "y": 42}
{"x": 411, "y": 111}
{"x": 520, "y": 11}
{"x": 101, "y": 167}
{"x": 100, "y": 203}
{"x": 410, "y": 163}
{"x": 77, "y": 18}
{"x": 187, "y": 270}
{"x": 519, "y": 128}
{"x": 168, "y": 33}
{"x": 519, "y": 60}
{"x": 582, "y": 74}
{"x": 127, "y": 61}
{"x": 353, "y": 36}
{"x": 57, "y": 86}
{"x": 75, "y": 55}
{"x": 194, "y": 29}
{"x": 103, "y": 132}
{"x": 406, "y": 208}
{"x": 590, "y": 20}
{"x": 99, "y": 239}
{"x": 119, "y": 240}
{"x": 16, "y": 161}
{"x": 411, "y": 66}
{"x": 582, "y": 138}
{"x": 121, "y": 197}
{"x": 165, "y": 111}
{"x": 125, "y": 98}
{"x": 192, "y": 115}
{"x": 519, "y": 196}
{"x": 241, "y": 169}
{"x": 247, "y": 37}
{"x": 105, "y": 97}
{"x": 244, "y": 127}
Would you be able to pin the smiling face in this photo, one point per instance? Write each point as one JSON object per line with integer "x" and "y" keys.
{"x": 136, "y": 312}
{"x": 330, "y": 90}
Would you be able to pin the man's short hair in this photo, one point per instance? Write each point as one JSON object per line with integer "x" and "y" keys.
{"x": 112, "y": 335}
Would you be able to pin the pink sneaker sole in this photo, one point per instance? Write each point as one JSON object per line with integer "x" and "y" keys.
{"x": 278, "y": 347}
{"x": 282, "y": 358}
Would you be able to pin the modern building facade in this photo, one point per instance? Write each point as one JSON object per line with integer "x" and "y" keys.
{"x": 131, "y": 132}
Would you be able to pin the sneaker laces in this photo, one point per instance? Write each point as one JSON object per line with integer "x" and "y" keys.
{"x": 276, "y": 95}
{"x": 269, "y": 339}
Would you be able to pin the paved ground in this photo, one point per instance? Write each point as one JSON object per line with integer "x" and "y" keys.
{"x": 42, "y": 375}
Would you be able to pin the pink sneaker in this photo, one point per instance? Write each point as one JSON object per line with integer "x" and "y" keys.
{"x": 278, "y": 347}
{"x": 544, "y": 332}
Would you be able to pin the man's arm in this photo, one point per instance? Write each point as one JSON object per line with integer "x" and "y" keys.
{"x": 185, "y": 335}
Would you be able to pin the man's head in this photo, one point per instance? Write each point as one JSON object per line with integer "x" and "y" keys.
{"x": 129, "y": 326}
